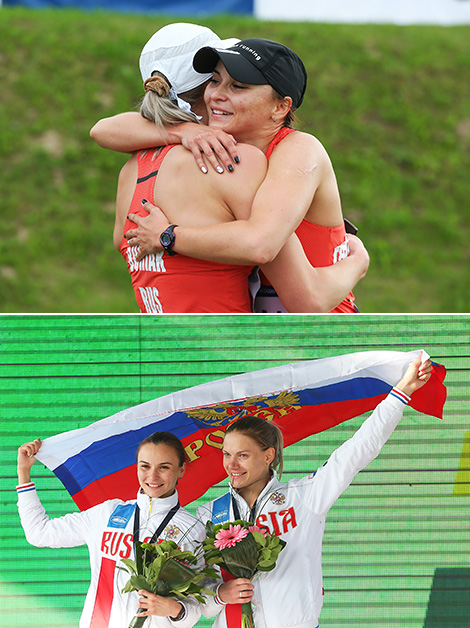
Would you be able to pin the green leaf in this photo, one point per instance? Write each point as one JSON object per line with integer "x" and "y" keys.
{"x": 210, "y": 528}
{"x": 138, "y": 557}
{"x": 130, "y": 565}
{"x": 211, "y": 573}
{"x": 128, "y": 587}
{"x": 139, "y": 582}
{"x": 215, "y": 560}
{"x": 267, "y": 568}
{"x": 156, "y": 565}
{"x": 259, "y": 538}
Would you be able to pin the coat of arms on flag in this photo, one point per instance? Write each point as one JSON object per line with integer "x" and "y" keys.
{"x": 97, "y": 462}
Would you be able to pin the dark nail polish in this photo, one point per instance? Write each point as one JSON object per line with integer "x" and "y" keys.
{"x": 236, "y": 160}
{"x": 144, "y": 200}
{"x": 230, "y": 168}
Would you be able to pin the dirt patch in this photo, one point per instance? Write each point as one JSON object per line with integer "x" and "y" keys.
{"x": 51, "y": 141}
{"x": 463, "y": 129}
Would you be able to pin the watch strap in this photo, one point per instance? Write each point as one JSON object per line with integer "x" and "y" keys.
{"x": 167, "y": 240}
{"x": 181, "y": 615}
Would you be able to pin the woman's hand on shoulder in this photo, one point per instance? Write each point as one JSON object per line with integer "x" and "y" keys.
{"x": 211, "y": 144}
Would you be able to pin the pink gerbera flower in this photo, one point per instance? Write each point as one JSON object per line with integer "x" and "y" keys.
{"x": 257, "y": 529}
{"x": 230, "y": 537}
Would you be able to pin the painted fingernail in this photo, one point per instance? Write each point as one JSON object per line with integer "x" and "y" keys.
{"x": 143, "y": 201}
{"x": 204, "y": 169}
{"x": 220, "y": 169}
{"x": 236, "y": 160}
{"x": 230, "y": 168}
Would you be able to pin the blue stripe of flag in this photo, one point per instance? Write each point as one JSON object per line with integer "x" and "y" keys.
{"x": 108, "y": 456}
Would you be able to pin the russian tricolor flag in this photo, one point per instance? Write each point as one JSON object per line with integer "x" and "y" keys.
{"x": 97, "y": 462}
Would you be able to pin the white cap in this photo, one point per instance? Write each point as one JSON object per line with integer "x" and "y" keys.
{"x": 171, "y": 50}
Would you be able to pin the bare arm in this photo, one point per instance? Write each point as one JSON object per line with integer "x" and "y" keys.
{"x": 125, "y": 192}
{"x": 303, "y": 288}
{"x": 294, "y": 174}
{"x": 129, "y": 132}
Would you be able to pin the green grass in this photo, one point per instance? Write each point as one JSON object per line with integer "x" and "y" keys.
{"x": 389, "y": 103}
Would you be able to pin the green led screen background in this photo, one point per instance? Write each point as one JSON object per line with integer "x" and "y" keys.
{"x": 396, "y": 551}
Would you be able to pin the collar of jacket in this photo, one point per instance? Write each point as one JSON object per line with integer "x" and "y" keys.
{"x": 272, "y": 486}
{"x": 159, "y": 504}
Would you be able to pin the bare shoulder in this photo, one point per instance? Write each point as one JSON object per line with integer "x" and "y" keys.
{"x": 129, "y": 169}
{"x": 250, "y": 153}
{"x": 250, "y": 156}
{"x": 178, "y": 156}
{"x": 253, "y": 163}
{"x": 299, "y": 145}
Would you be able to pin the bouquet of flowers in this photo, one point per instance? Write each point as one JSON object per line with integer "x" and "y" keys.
{"x": 165, "y": 570}
{"x": 242, "y": 549}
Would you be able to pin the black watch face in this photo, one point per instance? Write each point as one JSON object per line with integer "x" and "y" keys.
{"x": 165, "y": 239}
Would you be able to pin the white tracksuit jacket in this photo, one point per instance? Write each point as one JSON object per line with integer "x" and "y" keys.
{"x": 107, "y": 529}
{"x": 291, "y": 594}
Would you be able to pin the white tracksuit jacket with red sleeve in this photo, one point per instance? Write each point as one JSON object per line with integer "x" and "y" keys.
{"x": 107, "y": 529}
{"x": 291, "y": 594}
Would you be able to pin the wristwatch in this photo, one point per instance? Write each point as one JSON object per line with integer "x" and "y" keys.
{"x": 167, "y": 240}
{"x": 181, "y": 615}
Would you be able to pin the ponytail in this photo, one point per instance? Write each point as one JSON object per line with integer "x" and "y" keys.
{"x": 159, "y": 106}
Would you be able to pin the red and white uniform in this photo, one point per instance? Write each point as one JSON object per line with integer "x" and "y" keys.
{"x": 323, "y": 246}
{"x": 107, "y": 529}
{"x": 177, "y": 283}
{"x": 292, "y": 595}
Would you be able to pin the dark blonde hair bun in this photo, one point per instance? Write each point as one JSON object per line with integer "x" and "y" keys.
{"x": 158, "y": 85}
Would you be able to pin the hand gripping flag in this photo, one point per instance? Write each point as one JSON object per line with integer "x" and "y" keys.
{"x": 97, "y": 462}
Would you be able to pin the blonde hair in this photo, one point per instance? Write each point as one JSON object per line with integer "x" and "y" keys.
{"x": 158, "y": 106}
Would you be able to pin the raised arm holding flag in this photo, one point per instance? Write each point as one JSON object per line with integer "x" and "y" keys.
{"x": 291, "y": 594}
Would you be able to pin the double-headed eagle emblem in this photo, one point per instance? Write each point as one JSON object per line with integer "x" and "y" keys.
{"x": 267, "y": 408}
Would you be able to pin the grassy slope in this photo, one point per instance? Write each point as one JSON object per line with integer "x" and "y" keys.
{"x": 389, "y": 103}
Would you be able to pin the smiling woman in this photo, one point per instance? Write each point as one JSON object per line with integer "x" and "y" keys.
{"x": 292, "y": 593}
{"x": 221, "y": 227}
{"x": 251, "y": 451}
{"x": 112, "y": 529}
{"x": 246, "y": 111}
{"x": 161, "y": 462}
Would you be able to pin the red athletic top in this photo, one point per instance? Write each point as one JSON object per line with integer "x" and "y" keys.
{"x": 176, "y": 283}
{"x": 323, "y": 246}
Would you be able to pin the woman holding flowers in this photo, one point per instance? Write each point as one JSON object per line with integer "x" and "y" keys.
{"x": 113, "y": 528}
{"x": 290, "y": 594}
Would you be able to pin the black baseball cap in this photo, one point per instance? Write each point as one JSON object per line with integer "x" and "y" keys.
{"x": 258, "y": 62}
